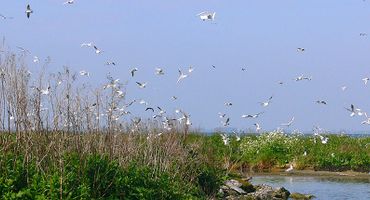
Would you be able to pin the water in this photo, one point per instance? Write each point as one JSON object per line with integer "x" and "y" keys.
{"x": 321, "y": 187}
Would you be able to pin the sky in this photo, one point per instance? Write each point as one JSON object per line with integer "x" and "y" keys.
{"x": 261, "y": 36}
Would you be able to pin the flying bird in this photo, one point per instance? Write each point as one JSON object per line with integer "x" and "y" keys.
{"x": 84, "y": 73}
{"x": 141, "y": 85}
{"x": 36, "y": 59}
{"x": 366, "y": 79}
{"x": 149, "y": 108}
{"x": 300, "y": 49}
{"x": 228, "y": 103}
{"x": 206, "y": 15}
{"x": 69, "y": 2}
{"x": 110, "y": 63}
{"x": 191, "y": 69}
{"x": 258, "y": 127}
{"x": 354, "y": 111}
{"x": 321, "y": 102}
{"x": 5, "y": 17}
{"x": 288, "y": 123}
{"x": 301, "y": 78}
{"x": 181, "y": 76}
{"x": 29, "y": 11}
{"x": 159, "y": 71}
{"x": 252, "y": 116}
{"x": 266, "y": 103}
{"x": 227, "y": 122}
{"x": 133, "y": 71}
{"x": 97, "y": 51}
{"x": 88, "y": 44}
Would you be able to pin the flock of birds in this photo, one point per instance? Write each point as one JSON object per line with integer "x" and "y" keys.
{"x": 182, "y": 75}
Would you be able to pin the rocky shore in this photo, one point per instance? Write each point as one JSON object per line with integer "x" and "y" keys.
{"x": 243, "y": 190}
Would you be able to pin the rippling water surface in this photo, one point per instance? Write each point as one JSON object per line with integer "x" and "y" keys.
{"x": 321, "y": 187}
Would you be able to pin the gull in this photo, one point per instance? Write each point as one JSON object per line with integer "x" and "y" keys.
{"x": 29, "y": 11}
{"x": 89, "y": 44}
{"x": 344, "y": 88}
{"x": 300, "y": 49}
{"x": 300, "y": 78}
{"x": 354, "y": 111}
{"x": 206, "y": 15}
{"x": 159, "y": 71}
{"x": 84, "y": 73}
{"x": 97, "y": 51}
{"x": 36, "y": 59}
{"x": 266, "y": 103}
{"x": 321, "y": 102}
{"x": 366, "y": 79}
{"x": 228, "y": 104}
{"x": 258, "y": 127}
{"x": 289, "y": 123}
{"x": 141, "y": 85}
{"x": 69, "y": 2}
{"x": 191, "y": 69}
{"x": 133, "y": 71}
{"x": 181, "y": 76}
{"x": 290, "y": 168}
{"x": 110, "y": 63}
{"x": 252, "y": 116}
{"x": 161, "y": 111}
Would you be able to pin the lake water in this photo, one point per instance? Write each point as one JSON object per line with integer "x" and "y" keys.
{"x": 321, "y": 187}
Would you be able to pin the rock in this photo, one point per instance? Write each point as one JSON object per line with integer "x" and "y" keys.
{"x": 265, "y": 192}
{"x": 299, "y": 196}
{"x": 235, "y": 185}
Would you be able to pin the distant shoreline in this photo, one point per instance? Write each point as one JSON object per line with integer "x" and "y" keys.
{"x": 317, "y": 174}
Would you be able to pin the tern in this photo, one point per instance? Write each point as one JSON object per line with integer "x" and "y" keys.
{"x": 110, "y": 63}
{"x": 367, "y": 121}
{"x": 5, "y": 17}
{"x": 159, "y": 71}
{"x": 227, "y": 122}
{"x": 191, "y": 69}
{"x": 29, "y": 11}
{"x": 181, "y": 76}
{"x": 228, "y": 103}
{"x": 133, "y": 71}
{"x": 225, "y": 139}
{"x": 354, "y": 111}
{"x": 69, "y": 2}
{"x": 266, "y": 103}
{"x": 321, "y": 102}
{"x": 84, "y": 73}
{"x": 23, "y": 50}
{"x": 174, "y": 98}
{"x": 222, "y": 115}
{"x": 258, "y": 127}
{"x": 141, "y": 85}
{"x": 252, "y": 116}
{"x": 36, "y": 59}
{"x": 45, "y": 91}
{"x": 88, "y": 44}
{"x": 97, "y": 51}
{"x": 300, "y": 49}
{"x": 288, "y": 123}
{"x": 343, "y": 88}
{"x": 206, "y": 15}
{"x": 366, "y": 79}
{"x": 301, "y": 78}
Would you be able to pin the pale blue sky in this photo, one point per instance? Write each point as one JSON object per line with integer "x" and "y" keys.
{"x": 259, "y": 35}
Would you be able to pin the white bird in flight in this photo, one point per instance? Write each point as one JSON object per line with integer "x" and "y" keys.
{"x": 354, "y": 111}
{"x": 266, "y": 103}
{"x": 252, "y": 116}
{"x": 87, "y": 44}
{"x": 159, "y": 71}
{"x": 288, "y": 123}
{"x": 36, "y": 59}
{"x": 181, "y": 76}
{"x": 133, "y": 70}
{"x": 301, "y": 78}
{"x": 69, "y": 2}
{"x": 258, "y": 127}
{"x": 97, "y": 50}
{"x": 141, "y": 85}
{"x": 300, "y": 49}
{"x": 206, "y": 15}
{"x": 366, "y": 79}
{"x": 84, "y": 73}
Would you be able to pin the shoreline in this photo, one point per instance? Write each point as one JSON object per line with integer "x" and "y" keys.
{"x": 316, "y": 174}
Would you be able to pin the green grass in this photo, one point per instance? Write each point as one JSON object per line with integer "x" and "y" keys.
{"x": 67, "y": 166}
